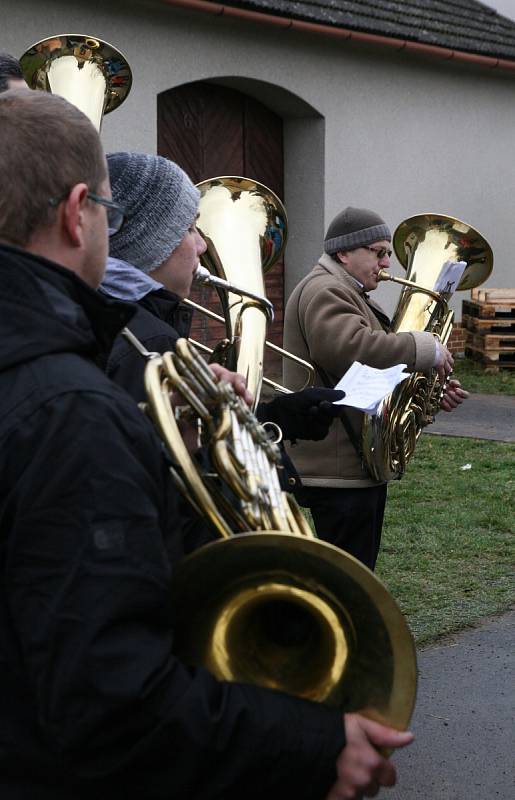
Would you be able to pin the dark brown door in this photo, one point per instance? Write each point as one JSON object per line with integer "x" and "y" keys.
{"x": 210, "y": 130}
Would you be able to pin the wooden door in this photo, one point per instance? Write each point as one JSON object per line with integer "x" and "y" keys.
{"x": 211, "y": 130}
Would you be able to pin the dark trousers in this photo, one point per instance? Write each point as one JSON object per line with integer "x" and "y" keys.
{"x": 351, "y": 519}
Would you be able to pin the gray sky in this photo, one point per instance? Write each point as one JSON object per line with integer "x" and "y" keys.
{"x": 505, "y": 7}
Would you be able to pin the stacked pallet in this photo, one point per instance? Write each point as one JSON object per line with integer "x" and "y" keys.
{"x": 489, "y": 317}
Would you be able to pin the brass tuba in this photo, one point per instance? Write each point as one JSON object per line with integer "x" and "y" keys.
{"x": 244, "y": 225}
{"x": 268, "y": 603}
{"x": 88, "y": 72}
{"x": 423, "y": 244}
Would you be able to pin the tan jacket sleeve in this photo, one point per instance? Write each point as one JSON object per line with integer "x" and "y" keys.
{"x": 340, "y": 328}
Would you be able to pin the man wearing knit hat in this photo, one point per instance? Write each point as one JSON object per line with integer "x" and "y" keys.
{"x": 152, "y": 262}
{"x": 331, "y": 321}
{"x": 153, "y": 258}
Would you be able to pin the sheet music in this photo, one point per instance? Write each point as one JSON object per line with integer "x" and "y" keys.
{"x": 366, "y": 386}
{"x": 450, "y": 276}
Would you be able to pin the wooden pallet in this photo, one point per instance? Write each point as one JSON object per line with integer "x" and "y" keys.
{"x": 489, "y": 319}
{"x": 487, "y": 342}
{"x": 477, "y": 325}
{"x": 505, "y": 310}
{"x": 492, "y": 296}
{"x": 492, "y": 361}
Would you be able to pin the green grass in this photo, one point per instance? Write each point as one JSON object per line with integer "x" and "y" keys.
{"x": 475, "y": 379}
{"x": 448, "y": 542}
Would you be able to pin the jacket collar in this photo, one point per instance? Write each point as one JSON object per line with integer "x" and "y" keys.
{"x": 45, "y": 308}
{"x": 339, "y": 272}
{"x": 329, "y": 265}
{"x": 167, "y": 306}
{"x": 126, "y": 282}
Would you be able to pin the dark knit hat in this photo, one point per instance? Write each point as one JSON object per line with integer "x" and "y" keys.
{"x": 161, "y": 204}
{"x": 353, "y": 228}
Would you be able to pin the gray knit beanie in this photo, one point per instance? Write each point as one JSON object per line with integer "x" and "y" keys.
{"x": 353, "y": 228}
{"x": 161, "y": 204}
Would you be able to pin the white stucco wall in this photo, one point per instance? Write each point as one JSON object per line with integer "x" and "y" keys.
{"x": 365, "y": 127}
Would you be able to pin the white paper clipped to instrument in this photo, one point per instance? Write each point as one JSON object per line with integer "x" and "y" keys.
{"x": 450, "y": 276}
{"x": 366, "y": 386}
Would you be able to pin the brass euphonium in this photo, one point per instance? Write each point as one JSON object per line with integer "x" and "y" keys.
{"x": 88, "y": 72}
{"x": 423, "y": 244}
{"x": 244, "y": 225}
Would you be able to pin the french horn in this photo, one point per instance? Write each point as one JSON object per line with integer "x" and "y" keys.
{"x": 422, "y": 244}
{"x": 268, "y": 603}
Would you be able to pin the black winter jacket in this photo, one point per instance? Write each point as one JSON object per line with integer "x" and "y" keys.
{"x": 158, "y": 322}
{"x": 94, "y": 704}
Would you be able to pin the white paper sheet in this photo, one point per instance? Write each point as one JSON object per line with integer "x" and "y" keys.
{"x": 450, "y": 276}
{"x": 366, "y": 386}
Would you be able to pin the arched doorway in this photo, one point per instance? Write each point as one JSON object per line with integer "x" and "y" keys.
{"x": 212, "y": 130}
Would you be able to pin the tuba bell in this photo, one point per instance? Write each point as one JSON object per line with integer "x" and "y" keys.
{"x": 423, "y": 244}
{"x": 88, "y": 72}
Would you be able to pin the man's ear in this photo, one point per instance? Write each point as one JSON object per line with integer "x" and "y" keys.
{"x": 72, "y": 218}
{"x": 341, "y": 256}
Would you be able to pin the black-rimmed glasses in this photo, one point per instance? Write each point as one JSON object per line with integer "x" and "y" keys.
{"x": 116, "y": 214}
{"x": 380, "y": 253}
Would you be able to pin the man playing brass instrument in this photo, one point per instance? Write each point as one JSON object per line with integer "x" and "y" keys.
{"x": 94, "y": 703}
{"x": 331, "y": 321}
{"x": 152, "y": 263}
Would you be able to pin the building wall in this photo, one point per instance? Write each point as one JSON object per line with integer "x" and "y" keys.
{"x": 365, "y": 127}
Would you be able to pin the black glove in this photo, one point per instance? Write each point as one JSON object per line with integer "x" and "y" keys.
{"x": 303, "y": 415}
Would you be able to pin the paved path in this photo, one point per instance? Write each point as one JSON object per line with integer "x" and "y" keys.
{"x": 464, "y": 719}
{"x": 482, "y": 416}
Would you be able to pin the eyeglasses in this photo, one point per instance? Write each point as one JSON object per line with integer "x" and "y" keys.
{"x": 116, "y": 214}
{"x": 381, "y": 253}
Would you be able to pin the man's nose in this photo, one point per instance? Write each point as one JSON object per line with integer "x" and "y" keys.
{"x": 384, "y": 262}
{"x": 201, "y": 244}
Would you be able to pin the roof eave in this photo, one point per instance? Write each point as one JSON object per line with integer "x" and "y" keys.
{"x": 288, "y": 23}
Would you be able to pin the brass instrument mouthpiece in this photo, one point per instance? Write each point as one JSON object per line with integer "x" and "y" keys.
{"x": 384, "y": 275}
{"x": 202, "y": 275}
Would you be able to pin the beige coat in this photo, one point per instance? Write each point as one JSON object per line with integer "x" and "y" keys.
{"x": 330, "y": 322}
